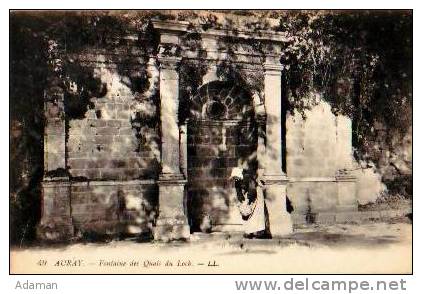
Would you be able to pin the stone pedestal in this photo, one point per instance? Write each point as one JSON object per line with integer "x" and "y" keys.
{"x": 56, "y": 222}
{"x": 275, "y": 198}
{"x": 346, "y": 192}
{"x": 274, "y": 177}
{"x": 171, "y": 223}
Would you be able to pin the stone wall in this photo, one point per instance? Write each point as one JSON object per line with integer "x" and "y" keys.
{"x": 112, "y": 152}
{"x": 109, "y": 143}
{"x": 318, "y": 145}
{"x": 112, "y": 207}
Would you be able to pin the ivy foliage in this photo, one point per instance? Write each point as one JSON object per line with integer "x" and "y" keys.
{"x": 359, "y": 61}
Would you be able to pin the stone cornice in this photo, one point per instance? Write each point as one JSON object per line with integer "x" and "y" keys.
{"x": 52, "y": 181}
{"x": 345, "y": 178}
{"x": 275, "y": 179}
{"x": 245, "y": 34}
{"x": 171, "y": 31}
{"x": 170, "y": 26}
{"x": 182, "y": 26}
{"x": 114, "y": 183}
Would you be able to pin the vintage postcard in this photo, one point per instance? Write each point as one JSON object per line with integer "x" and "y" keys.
{"x": 211, "y": 142}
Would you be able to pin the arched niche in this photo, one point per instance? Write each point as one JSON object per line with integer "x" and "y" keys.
{"x": 221, "y": 135}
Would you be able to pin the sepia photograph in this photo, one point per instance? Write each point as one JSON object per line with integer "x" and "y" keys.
{"x": 210, "y": 141}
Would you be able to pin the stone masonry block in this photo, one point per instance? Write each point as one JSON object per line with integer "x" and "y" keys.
{"x": 56, "y": 221}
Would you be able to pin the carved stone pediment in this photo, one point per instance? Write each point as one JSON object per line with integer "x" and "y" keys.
{"x": 248, "y": 47}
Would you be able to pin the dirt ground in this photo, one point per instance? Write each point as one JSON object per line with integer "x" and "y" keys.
{"x": 370, "y": 247}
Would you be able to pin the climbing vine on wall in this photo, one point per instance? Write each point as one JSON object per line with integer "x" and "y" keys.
{"x": 361, "y": 63}
{"x": 358, "y": 61}
{"x": 191, "y": 74}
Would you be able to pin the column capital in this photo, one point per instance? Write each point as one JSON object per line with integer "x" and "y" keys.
{"x": 169, "y": 50}
{"x": 272, "y": 64}
{"x": 169, "y": 62}
{"x": 171, "y": 179}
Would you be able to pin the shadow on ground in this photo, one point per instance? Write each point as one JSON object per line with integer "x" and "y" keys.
{"x": 369, "y": 235}
{"x": 339, "y": 236}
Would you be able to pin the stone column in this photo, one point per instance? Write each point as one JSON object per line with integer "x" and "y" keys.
{"x": 172, "y": 222}
{"x": 56, "y": 220}
{"x": 275, "y": 179}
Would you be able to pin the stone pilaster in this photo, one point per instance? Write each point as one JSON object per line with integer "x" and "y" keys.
{"x": 346, "y": 191}
{"x": 275, "y": 179}
{"x": 172, "y": 222}
{"x": 346, "y": 182}
{"x": 56, "y": 220}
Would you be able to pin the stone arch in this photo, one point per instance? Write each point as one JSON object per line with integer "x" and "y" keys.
{"x": 221, "y": 100}
{"x": 221, "y": 135}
